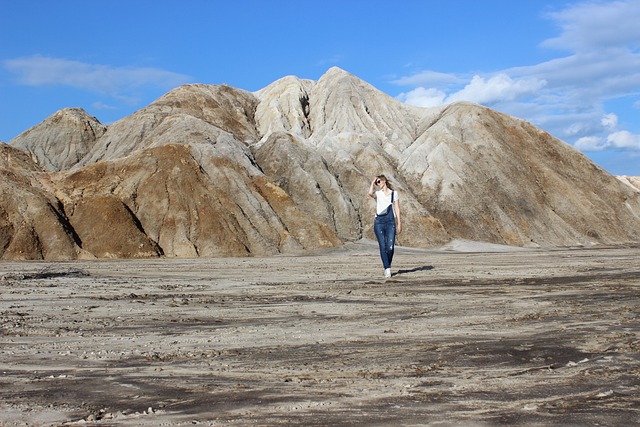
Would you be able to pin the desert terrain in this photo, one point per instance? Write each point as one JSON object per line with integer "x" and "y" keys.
{"x": 467, "y": 335}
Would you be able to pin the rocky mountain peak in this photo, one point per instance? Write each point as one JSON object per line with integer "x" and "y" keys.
{"x": 284, "y": 107}
{"x": 61, "y": 140}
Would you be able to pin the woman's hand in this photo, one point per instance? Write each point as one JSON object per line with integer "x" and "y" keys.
{"x": 372, "y": 187}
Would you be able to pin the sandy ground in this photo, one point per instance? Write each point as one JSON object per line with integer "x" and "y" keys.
{"x": 453, "y": 338}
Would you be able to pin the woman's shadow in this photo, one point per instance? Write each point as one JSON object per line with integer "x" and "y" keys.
{"x": 413, "y": 270}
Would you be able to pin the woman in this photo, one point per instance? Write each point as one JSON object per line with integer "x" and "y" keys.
{"x": 387, "y": 219}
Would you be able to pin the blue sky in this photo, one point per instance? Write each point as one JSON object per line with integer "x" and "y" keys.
{"x": 571, "y": 68}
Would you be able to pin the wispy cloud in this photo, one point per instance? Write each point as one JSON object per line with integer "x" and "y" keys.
{"x": 99, "y": 105}
{"x": 429, "y": 77}
{"x": 566, "y": 95}
{"x": 40, "y": 70}
{"x": 596, "y": 25}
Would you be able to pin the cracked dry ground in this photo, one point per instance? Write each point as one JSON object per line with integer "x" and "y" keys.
{"x": 516, "y": 338}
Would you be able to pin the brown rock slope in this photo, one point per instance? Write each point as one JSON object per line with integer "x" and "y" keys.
{"x": 33, "y": 224}
{"x": 191, "y": 202}
{"x": 216, "y": 171}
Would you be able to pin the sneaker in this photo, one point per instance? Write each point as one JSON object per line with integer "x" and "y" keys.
{"x": 387, "y": 273}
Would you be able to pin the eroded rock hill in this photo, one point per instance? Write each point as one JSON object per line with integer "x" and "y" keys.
{"x": 211, "y": 170}
{"x": 62, "y": 140}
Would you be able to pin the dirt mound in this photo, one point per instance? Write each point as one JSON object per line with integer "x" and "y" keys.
{"x": 33, "y": 224}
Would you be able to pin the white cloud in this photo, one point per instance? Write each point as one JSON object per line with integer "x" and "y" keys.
{"x": 99, "y": 105}
{"x": 609, "y": 121}
{"x": 421, "y": 97}
{"x": 40, "y": 70}
{"x": 497, "y": 88}
{"x": 428, "y": 77}
{"x": 624, "y": 139}
{"x": 591, "y": 143}
{"x": 592, "y": 25}
{"x": 578, "y": 128}
{"x": 589, "y": 75}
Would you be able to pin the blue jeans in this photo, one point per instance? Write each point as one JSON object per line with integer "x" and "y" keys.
{"x": 385, "y": 229}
